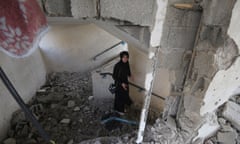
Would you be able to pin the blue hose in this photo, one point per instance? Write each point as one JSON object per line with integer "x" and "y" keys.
{"x": 118, "y": 119}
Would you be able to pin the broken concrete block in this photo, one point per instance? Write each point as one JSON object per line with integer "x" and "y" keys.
{"x": 80, "y": 120}
{"x": 90, "y": 98}
{"x": 65, "y": 121}
{"x": 53, "y": 105}
{"x": 70, "y": 141}
{"x": 10, "y": 141}
{"x": 31, "y": 141}
{"x": 17, "y": 117}
{"x": 171, "y": 123}
{"x": 232, "y": 113}
{"x": 58, "y": 8}
{"x": 139, "y": 12}
{"x": 37, "y": 110}
{"x": 71, "y": 103}
{"x": 227, "y": 137}
{"x": 84, "y": 8}
{"x": 76, "y": 109}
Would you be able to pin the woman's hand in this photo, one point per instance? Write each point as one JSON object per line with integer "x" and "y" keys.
{"x": 125, "y": 86}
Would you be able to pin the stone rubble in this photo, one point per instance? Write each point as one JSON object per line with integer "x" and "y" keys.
{"x": 63, "y": 106}
{"x": 229, "y": 132}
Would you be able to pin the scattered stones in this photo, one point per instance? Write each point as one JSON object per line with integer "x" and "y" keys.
{"x": 232, "y": 113}
{"x": 80, "y": 120}
{"x": 70, "y": 141}
{"x": 53, "y": 106}
{"x": 76, "y": 109}
{"x": 10, "y": 141}
{"x": 71, "y": 103}
{"x": 64, "y": 111}
{"x": 227, "y": 137}
{"x": 90, "y": 98}
{"x": 65, "y": 121}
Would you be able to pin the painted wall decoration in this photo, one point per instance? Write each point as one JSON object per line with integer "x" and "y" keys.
{"x": 22, "y": 23}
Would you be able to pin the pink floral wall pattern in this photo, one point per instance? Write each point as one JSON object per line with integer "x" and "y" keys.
{"x": 22, "y": 23}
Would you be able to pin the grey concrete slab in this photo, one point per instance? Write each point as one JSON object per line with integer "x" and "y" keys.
{"x": 232, "y": 113}
{"x": 58, "y": 7}
{"x": 217, "y": 12}
{"x": 136, "y": 11}
{"x": 84, "y": 8}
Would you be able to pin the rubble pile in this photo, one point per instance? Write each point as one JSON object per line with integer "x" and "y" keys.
{"x": 63, "y": 106}
{"x": 228, "y": 118}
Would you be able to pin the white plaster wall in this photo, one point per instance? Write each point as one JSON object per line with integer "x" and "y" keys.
{"x": 72, "y": 47}
{"x": 27, "y": 75}
{"x": 225, "y": 83}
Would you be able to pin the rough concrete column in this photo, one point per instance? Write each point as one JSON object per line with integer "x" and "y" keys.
{"x": 84, "y": 8}
{"x": 139, "y": 12}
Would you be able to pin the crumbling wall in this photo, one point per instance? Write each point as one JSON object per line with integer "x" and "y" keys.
{"x": 214, "y": 53}
{"x": 179, "y": 31}
{"x": 27, "y": 75}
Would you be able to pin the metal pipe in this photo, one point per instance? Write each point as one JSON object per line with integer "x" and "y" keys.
{"x": 106, "y": 50}
{"x": 134, "y": 85}
{"x": 118, "y": 119}
{"x": 23, "y": 106}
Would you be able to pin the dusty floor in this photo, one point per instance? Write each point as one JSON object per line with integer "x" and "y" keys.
{"x": 63, "y": 107}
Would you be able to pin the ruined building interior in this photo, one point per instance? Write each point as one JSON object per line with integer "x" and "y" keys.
{"x": 184, "y": 56}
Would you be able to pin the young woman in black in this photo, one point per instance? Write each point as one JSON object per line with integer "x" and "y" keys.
{"x": 121, "y": 74}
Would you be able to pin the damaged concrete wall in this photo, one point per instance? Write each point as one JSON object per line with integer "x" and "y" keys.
{"x": 226, "y": 81}
{"x": 73, "y": 47}
{"x": 180, "y": 28}
{"x": 27, "y": 75}
{"x": 125, "y": 10}
{"x": 213, "y": 53}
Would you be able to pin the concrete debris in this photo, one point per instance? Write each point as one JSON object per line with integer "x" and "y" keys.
{"x": 232, "y": 113}
{"x": 84, "y": 8}
{"x": 70, "y": 141}
{"x": 227, "y": 137}
{"x": 17, "y": 117}
{"x": 71, "y": 103}
{"x": 65, "y": 112}
{"x": 160, "y": 132}
{"x": 37, "y": 110}
{"x": 228, "y": 132}
{"x": 76, "y": 109}
{"x": 10, "y": 141}
{"x": 90, "y": 98}
{"x": 65, "y": 121}
{"x": 171, "y": 122}
{"x": 58, "y": 8}
{"x": 171, "y": 106}
{"x": 126, "y": 10}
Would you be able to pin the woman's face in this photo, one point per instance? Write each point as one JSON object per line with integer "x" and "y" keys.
{"x": 124, "y": 58}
